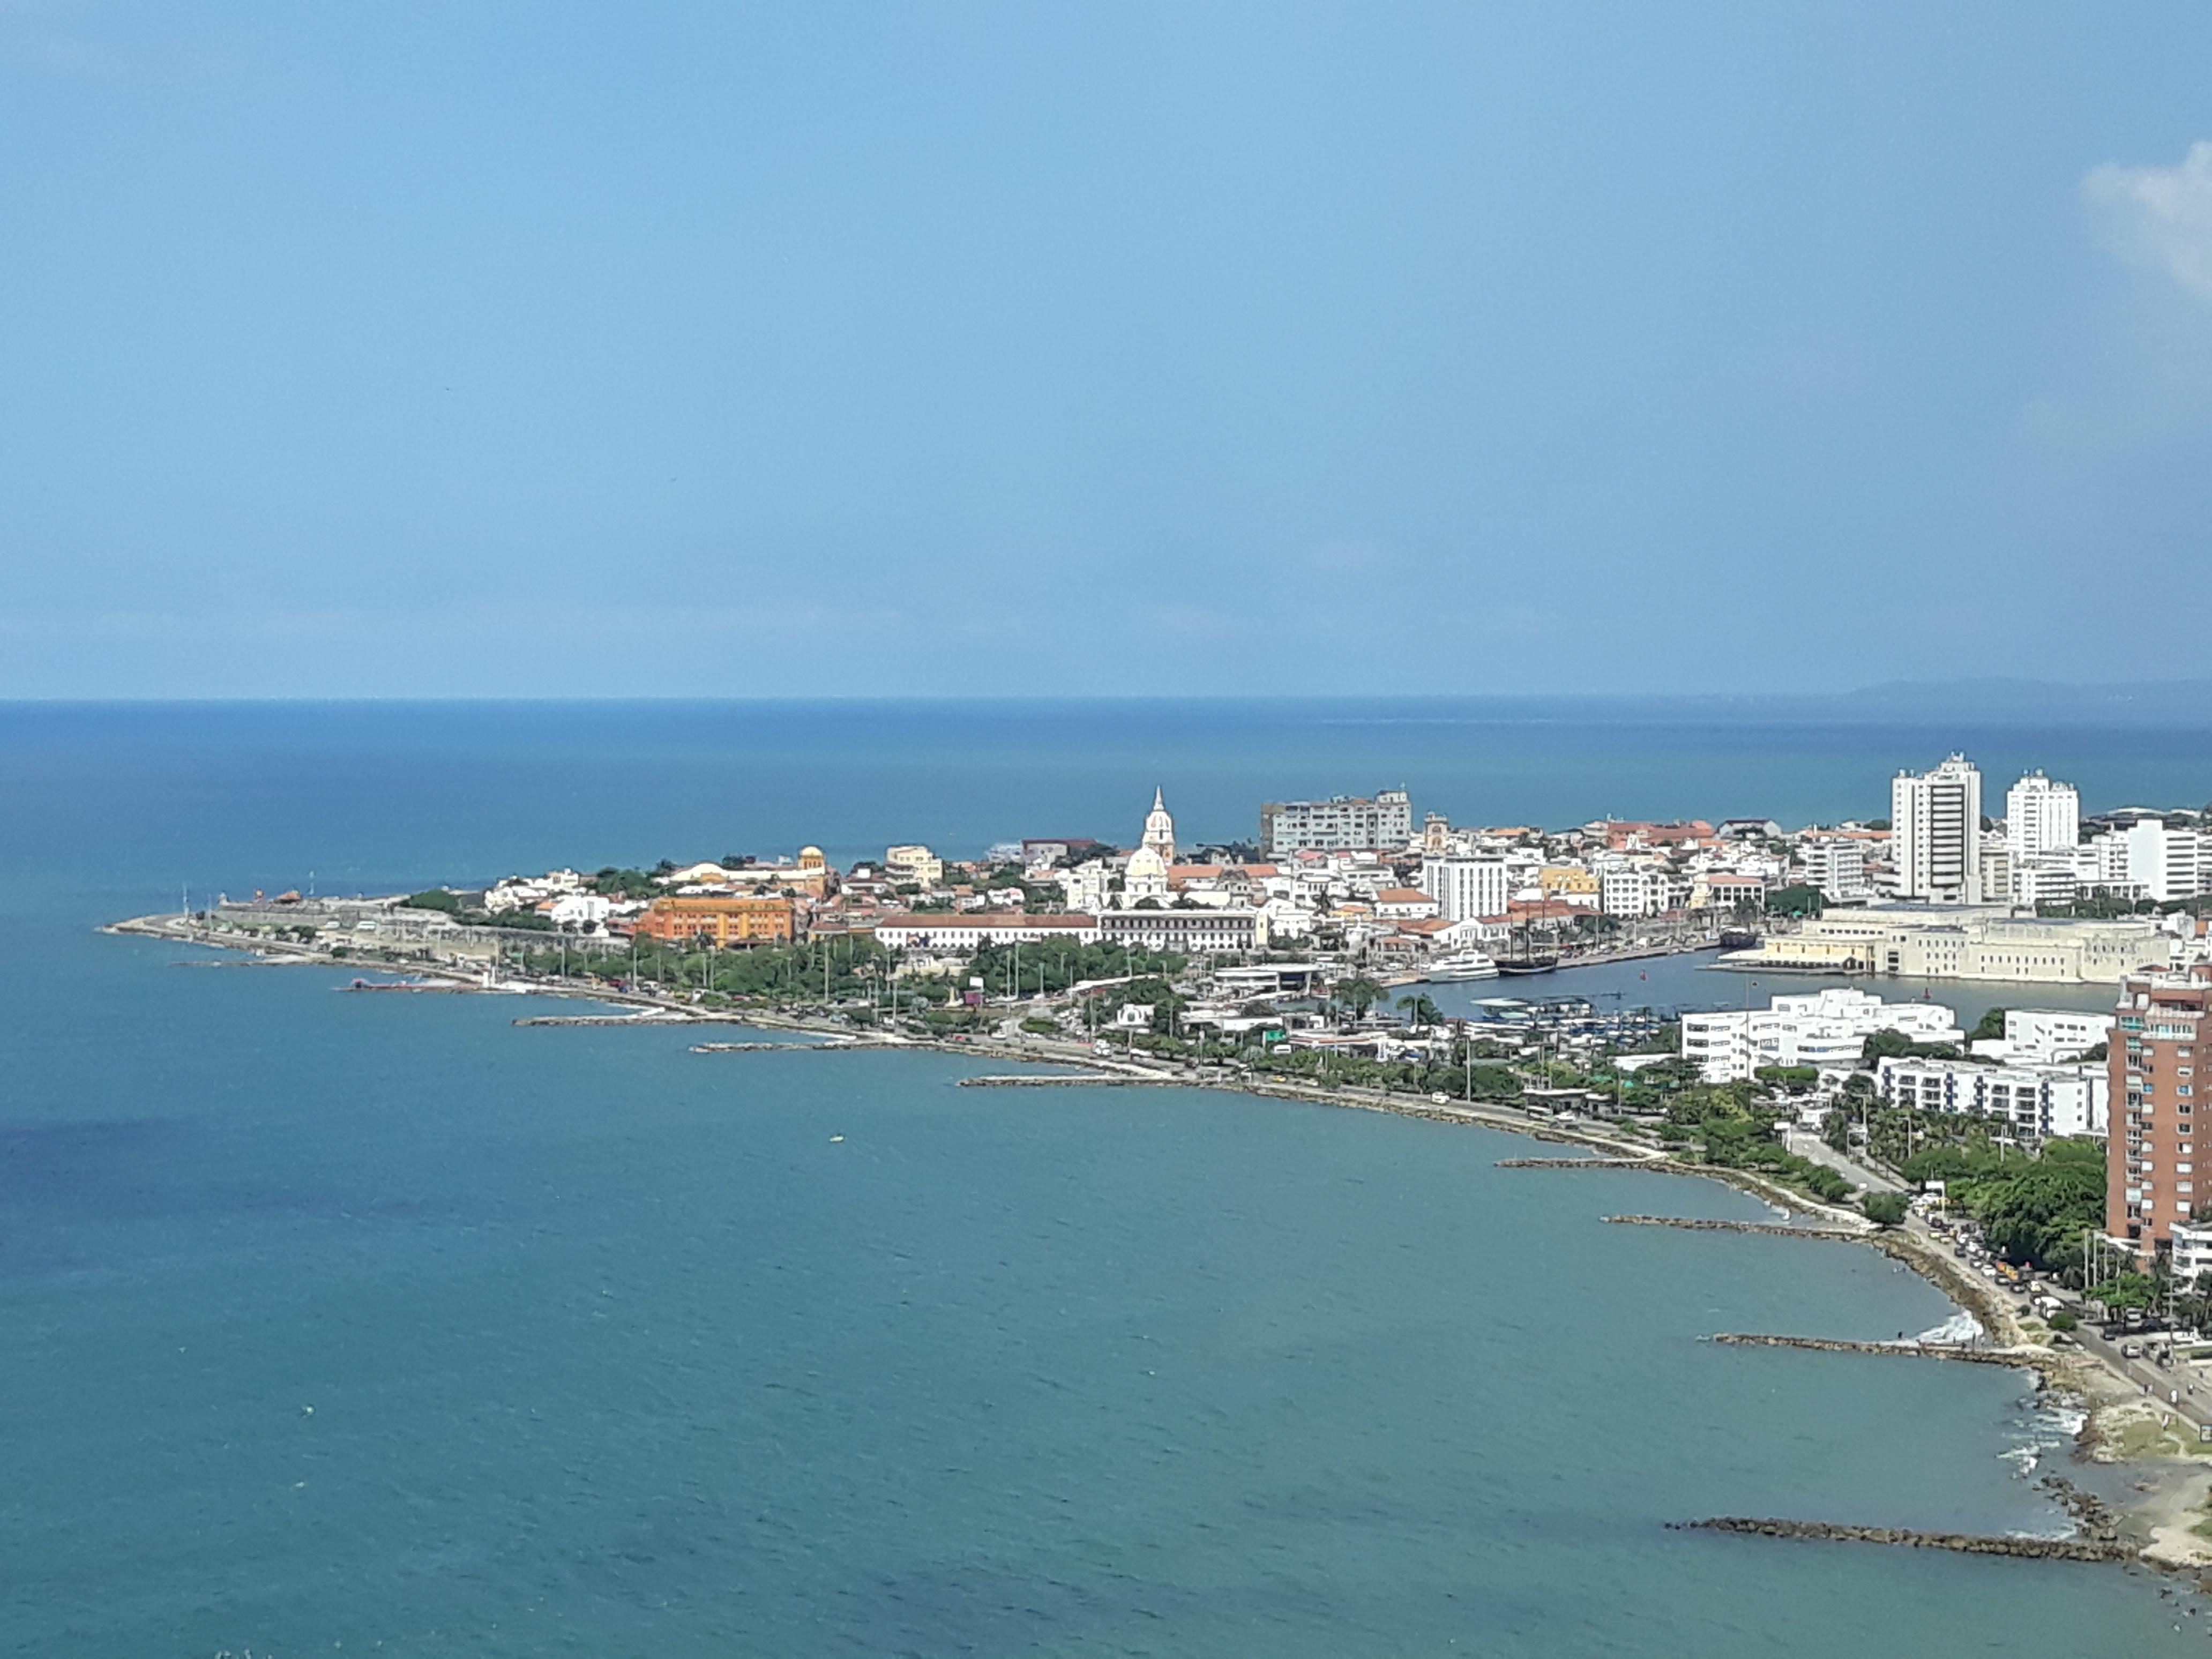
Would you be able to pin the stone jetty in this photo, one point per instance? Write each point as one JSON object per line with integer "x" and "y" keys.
{"x": 653, "y": 1017}
{"x": 1583, "y": 1164}
{"x": 834, "y": 1044}
{"x": 1703, "y": 1224}
{"x": 1967, "y": 1543}
{"x": 1983, "y": 1356}
{"x": 1080, "y": 1080}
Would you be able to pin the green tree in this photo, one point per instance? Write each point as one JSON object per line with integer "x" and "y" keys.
{"x": 1885, "y": 1209}
{"x": 1991, "y": 1025}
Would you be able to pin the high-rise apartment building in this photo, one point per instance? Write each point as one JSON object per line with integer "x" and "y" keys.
{"x": 1936, "y": 833}
{"x": 1340, "y": 824}
{"x": 2150, "y": 1164}
{"x": 2041, "y": 817}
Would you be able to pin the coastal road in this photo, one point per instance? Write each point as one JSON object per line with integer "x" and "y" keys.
{"x": 2156, "y": 1382}
{"x": 1805, "y": 1143}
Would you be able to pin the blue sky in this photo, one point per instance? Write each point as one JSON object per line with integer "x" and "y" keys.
{"x": 705, "y": 350}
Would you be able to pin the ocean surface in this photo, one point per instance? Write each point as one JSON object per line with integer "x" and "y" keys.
{"x": 341, "y": 1323}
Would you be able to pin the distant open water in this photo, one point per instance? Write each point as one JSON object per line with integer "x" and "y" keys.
{"x": 609, "y": 1349}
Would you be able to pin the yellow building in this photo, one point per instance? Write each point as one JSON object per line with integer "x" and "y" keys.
{"x": 1568, "y": 882}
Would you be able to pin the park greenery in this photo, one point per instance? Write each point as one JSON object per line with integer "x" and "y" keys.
{"x": 2033, "y": 1209}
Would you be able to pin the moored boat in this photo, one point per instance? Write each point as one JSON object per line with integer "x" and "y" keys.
{"x": 1461, "y": 965}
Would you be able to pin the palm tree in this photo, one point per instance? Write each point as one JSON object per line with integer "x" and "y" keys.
{"x": 1420, "y": 1010}
{"x": 1358, "y": 994}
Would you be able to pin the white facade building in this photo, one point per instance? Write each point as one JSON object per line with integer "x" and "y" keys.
{"x": 1088, "y": 885}
{"x": 2037, "y": 1102}
{"x": 1823, "y": 1029}
{"x": 1191, "y": 931}
{"x": 581, "y": 911}
{"x": 1384, "y": 821}
{"x": 1465, "y": 889}
{"x": 2165, "y": 864}
{"x": 2041, "y": 817}
{"x": 2050, "y": 879}
{"x": 2192, "y": 1252}
{"x": 1638, "y": 889}
{"x": 1936, "y": 833}
{"x": 2046, "y": 1036}
{"x": 1838, "y": 868}
{"x": 962, "y": 935}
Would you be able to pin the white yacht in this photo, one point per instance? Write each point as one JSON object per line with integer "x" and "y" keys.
{"x": 1460, "y": 964}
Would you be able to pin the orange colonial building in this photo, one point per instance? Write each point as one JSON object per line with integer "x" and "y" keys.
{"x": 745, "y": 921}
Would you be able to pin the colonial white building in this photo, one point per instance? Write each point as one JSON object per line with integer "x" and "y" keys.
{"x": 1966, "y": 944}
{"x": 1192, "y": 933}
{"x": 960, "y": 935}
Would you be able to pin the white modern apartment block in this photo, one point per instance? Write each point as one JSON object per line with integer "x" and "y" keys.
{"x": 2041, "y": 817}
{"x": 2046, "y": 1036}
{"x": 2037, "y": 1102}
{"x": 2192, "y": 1252}
{"x": 2051, "y": 879}
{"x": 1838, "y": 868}
{"x": 1465, "y": 889}
{"x": 1639, "y": 890}
{"x": 2164, "y": 863}
{"x": 1823, "y": 1029}
{"x": 1341, "y": 822}
{"x": 1936, "y": 833}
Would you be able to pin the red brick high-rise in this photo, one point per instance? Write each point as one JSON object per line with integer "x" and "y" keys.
{"x": 2150, "y": 1158}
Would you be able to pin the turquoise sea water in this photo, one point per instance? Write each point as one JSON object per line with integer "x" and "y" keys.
{"x": 611, "y": 1349}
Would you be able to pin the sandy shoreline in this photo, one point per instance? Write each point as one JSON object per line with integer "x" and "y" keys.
{"x": 2164, "y": 1481}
